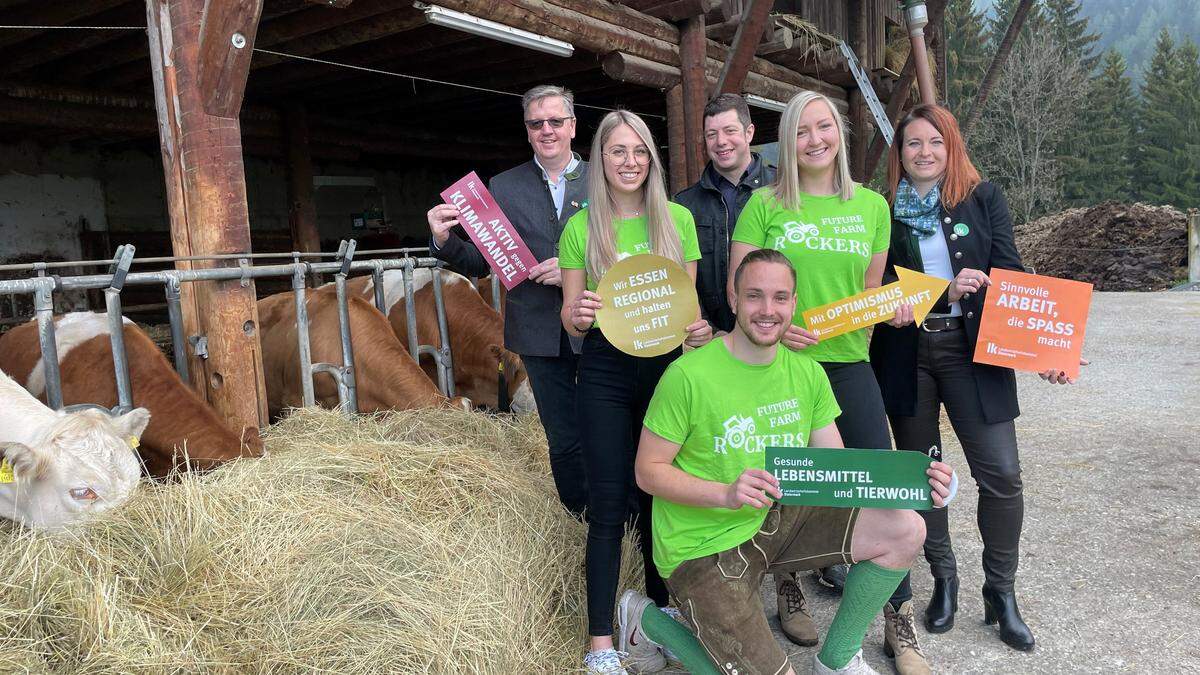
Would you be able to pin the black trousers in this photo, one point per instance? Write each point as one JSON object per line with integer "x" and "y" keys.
{"x": 863, "y": 423}
{"x": 945, "y": 376}
{"x": 553, "y": 380}
{"x": 614, "y": 392}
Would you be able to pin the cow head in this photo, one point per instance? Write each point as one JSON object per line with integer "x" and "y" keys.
{"x": 520, "y": 396}
{"x": 82, "y": 463}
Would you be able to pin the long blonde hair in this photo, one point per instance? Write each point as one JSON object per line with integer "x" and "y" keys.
{"x": 602, "y": 236}
{"x": 787, "y": 180}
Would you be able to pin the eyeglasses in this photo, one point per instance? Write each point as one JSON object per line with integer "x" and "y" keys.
{"x": 619, "y": 156}
{"x": 555, "y": 123}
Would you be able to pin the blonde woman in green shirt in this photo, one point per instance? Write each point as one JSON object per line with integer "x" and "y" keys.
{"x": 836, "y": 234}
{"x": 628, "y": 213}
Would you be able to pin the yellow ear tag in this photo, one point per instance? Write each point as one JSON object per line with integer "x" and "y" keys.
{"x": 134, "y": 442}
{"x": 6, "y": 472}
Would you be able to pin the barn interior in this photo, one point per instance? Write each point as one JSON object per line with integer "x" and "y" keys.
{"x": 199, "y": 127}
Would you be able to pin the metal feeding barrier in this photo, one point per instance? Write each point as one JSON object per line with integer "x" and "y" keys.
{"x": 43, "y": 287}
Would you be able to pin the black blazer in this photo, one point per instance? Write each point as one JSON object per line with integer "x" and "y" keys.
{"x": 988, "y": 244}
{"x": 532, "y": 326}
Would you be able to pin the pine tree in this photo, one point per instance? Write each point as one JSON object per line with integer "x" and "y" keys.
{"x": 1071, "y": 31}
{"x": 1101, "y": 169}
{"x": 967, "y": 55}
{"x": 1164, "y": 172}
{"x": 1002, "y": 13}
{"x": 1187, "y": 147}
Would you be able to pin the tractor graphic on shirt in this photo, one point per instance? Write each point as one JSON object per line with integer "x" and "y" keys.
{"x": 796, "y": 232}
{"x": 738, "y": 431}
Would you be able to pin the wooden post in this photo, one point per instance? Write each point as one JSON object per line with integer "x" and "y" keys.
{"x": 302, "y": 212}
{"x": 206, "y": 191}
{"x": 676, "y": 140}
{"x": 745, "y": 42}
{"x": 859, "y": 126}
{"x": 695, "y": 95}
{"x": 1194, "y": 245}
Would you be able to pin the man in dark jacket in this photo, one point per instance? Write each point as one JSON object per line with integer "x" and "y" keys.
{"x": 716, "y": 200}
{"x": 537, "y": 197}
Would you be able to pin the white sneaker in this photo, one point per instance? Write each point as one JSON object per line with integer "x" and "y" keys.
{"x": 604, "y": 662}
{"x": 857, "y": 666}
{"x": 644, "y": 654}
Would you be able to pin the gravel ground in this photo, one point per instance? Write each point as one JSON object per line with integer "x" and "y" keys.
{"x": 1110, "y": 559}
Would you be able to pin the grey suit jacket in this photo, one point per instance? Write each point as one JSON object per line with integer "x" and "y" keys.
{"x": 532, "y": 326}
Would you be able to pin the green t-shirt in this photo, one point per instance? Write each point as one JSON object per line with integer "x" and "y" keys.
{"x": 830, "y": 243}
{"x": 632, "y": 239}
{"x": 724, "y": 413}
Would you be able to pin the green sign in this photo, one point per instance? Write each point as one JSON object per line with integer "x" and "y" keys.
{"x": 877, "y": 479}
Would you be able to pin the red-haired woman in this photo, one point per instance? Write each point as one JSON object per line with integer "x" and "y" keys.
{"x": 950, "y": 223}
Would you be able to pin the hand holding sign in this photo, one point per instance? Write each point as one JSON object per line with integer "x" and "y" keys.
{"x": 877, "y": 305}
{"x": 469, "y": 204}
{"x": 1034, "y": 323}
{"x": 648, "y": 304}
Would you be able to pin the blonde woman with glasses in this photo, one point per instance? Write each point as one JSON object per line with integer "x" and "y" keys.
{"x": 836, "y": 234}
{"x": 628, "y": 213}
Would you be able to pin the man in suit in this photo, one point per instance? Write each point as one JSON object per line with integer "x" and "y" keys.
{"x": 538, "y": 197}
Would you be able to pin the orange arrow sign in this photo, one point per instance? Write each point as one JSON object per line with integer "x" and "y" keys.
{"x": 877, "y": 305}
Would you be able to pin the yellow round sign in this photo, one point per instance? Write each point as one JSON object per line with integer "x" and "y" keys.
{"x": 647, "y": 302}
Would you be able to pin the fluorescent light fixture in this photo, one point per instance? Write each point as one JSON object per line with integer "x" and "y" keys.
{"x": 440, "y": 16}
{"x": 768, "y": 103}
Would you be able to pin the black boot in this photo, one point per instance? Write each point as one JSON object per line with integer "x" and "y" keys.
{"x": 1001, "y": 606}
{"x": 939, "y": 615}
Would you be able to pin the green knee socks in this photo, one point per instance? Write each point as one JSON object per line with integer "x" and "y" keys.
{"x": 671, "y": 634}
{"x": 868, "y": 586}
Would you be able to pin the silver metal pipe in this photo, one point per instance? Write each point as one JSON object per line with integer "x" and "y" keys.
{"x": 42, "y": 266}
{"x": 116, "y": 336}
{"x": 337, "y": 373}
{"x": 346, "y": 382}
{"x": 410, "y": 312}
{"x": 175, "y": 316}
{"x": 99, "y": 281}
{"x": 306, "y": 367}
{"x": 43, "y": 306}
{"x": 496, "y": 293}
{"x": 116, "y": 327}
{"x": 377, "y": 284}
{"x": 444, "y": 362}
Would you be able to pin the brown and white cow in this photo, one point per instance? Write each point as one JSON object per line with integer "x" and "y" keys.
{"x": 386, "y": 377}
{"x": 476, "y": 334}
{"x": 60, "y": 467}
{"x": 182, "y": 426}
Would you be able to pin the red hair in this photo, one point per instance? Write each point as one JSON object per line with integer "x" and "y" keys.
{"x": 961, "y": 175}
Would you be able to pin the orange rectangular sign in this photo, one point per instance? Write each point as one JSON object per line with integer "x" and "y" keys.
{"x": 1033, "y": 323}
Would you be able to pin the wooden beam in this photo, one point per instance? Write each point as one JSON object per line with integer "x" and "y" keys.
{"x": 692, "y": 60}
{"x": 678, "y": 10}
{"x": 227, "y": 33}
{"x": 859, "y": 127}
{"x": 206, "y": 203}
{"x": 56, "y": 13}
{"x": 745, "y": 42}
{"x": 64, "y": 43}
{"x": 118, "y": 62}
{"x": 676, "y": 140}
{"x": 576, "y": 25}
{"x": 642, "y": 72}
{"x": 302, "y": 211}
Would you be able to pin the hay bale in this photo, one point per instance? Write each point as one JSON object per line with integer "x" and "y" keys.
{"x": 416, "y": 542}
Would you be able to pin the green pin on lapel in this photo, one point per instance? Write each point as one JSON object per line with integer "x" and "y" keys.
{"x": 961, "y": 229}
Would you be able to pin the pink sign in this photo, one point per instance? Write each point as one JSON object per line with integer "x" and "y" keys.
{"x": 490, "y": 230}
